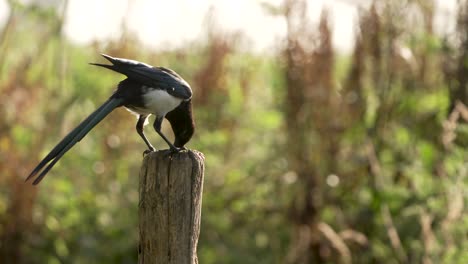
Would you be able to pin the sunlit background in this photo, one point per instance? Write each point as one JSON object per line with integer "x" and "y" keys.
{"x": 334, "y": 131}
{"x": 156, "y": 27}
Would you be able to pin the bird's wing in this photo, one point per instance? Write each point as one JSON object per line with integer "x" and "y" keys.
{"x": 155, "y": 77}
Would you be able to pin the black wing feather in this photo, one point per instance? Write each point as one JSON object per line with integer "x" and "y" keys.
{"x": 155, "y": 77}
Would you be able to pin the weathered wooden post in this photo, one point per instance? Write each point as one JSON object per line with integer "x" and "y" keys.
{"x": 170, "y": 207}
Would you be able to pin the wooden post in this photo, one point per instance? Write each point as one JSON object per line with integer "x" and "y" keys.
{"x": 171, "y": 188}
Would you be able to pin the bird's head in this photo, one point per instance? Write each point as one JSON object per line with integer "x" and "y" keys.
{"x": 182, "y": 123}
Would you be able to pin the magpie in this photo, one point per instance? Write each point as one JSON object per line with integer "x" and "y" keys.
{"x": 146, "y": 91}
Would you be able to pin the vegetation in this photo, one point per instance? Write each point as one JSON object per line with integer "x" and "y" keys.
{"x": 311, "y": 156}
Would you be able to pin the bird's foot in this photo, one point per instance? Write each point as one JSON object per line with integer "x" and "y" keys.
{"x": 148, "y": 151}
{"x": 176, "y": 149}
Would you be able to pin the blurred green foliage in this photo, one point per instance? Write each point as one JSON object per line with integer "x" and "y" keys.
{"x": 393, "y": 191}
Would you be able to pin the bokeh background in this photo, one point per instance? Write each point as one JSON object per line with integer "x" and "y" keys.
{"x": 334, "y": 131}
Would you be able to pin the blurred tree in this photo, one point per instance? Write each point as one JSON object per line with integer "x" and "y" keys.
{"x": 17, "y": 220}
{"x": 458, "y": 76}
{"x": 311, "y": 122}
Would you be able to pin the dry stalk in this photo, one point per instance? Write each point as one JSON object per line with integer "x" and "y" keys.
{"x": 450, "y": 125}
{"x": 336, "y": 241}
{"x": 392, "y": 233}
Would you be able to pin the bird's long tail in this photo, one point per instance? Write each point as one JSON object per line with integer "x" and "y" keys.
{"x": 72, "y": 138}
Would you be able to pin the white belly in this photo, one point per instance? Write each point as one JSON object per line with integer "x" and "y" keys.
{"x": 157, "y": 102}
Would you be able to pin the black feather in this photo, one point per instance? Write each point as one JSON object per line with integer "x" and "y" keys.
{"x": 155, "y": 77}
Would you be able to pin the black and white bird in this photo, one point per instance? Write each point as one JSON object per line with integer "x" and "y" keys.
{"x": 146, "y": 91}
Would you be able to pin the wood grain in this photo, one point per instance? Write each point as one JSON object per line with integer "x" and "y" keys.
{"x": 171, "y": 187}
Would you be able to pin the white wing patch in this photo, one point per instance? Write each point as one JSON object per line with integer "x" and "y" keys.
{"x": 159, "y": 102}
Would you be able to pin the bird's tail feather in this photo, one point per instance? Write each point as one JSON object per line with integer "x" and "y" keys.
{"x": 111, "y": 67}
{"x": 114, "y": 65}
{"x": 72, "y": 138}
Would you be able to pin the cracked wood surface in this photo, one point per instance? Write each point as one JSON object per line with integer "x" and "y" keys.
{"x": 170, "y": 190}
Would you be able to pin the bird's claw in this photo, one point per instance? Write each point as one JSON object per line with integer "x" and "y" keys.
{"x": 172, "y": 150}
{"x": 175, "y": 149}
{"x": 147, "y": 151}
